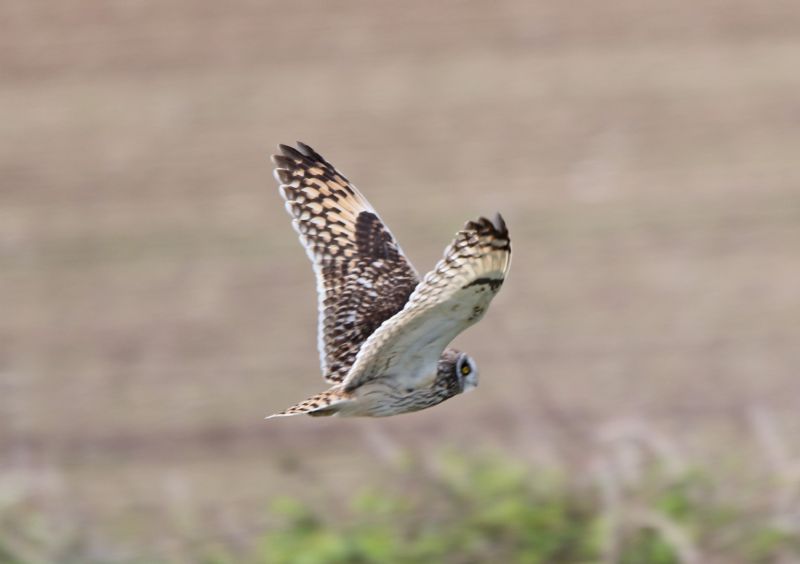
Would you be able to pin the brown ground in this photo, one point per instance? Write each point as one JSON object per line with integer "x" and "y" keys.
{"x": 156, "y": 305}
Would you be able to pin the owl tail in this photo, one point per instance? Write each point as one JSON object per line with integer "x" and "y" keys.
{"x": 324, "y": 404}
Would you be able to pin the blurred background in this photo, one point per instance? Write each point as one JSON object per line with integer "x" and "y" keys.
{"x": 155, "y": 304}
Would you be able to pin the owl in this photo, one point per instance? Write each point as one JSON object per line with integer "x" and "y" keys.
{"x": 383, "y": 332}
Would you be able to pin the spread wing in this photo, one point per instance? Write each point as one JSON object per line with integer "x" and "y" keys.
{"x": 451, "y": 298}
{"x": 363, "y": 278}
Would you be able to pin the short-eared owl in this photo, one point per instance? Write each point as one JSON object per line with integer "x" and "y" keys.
{"x": 382, "y": 331}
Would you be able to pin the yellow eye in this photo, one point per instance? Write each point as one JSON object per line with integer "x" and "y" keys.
{"x": 465, "y": 369}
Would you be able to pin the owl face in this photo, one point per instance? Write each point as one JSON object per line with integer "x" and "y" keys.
{"x": 457, "y": 372}
{"x": 467, "y": 372}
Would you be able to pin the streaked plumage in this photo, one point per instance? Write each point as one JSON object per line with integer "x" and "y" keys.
{"x": 382, "y": 331}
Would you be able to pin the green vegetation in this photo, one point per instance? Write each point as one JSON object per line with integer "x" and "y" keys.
{"x": 458, "y": 510}
{"x": 483, "y": 512}
{"x": 488, "y": 511}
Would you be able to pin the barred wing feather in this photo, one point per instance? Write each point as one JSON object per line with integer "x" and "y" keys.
{"x": 363, "y": 277}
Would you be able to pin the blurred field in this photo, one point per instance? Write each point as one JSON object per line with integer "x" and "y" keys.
{"x": 156, "y": 304}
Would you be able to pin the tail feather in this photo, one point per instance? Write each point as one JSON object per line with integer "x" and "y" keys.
{"x": 322, "y": 404}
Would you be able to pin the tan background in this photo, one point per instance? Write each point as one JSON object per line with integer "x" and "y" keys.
{"x": 155, "y": 304}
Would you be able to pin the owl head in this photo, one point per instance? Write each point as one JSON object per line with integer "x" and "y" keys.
{"x": 457, "y": 372}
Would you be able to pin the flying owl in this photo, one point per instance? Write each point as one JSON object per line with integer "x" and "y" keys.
{"x": 383, "y": 332}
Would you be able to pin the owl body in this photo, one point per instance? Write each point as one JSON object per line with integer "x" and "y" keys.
{"x": 383, "y": 396}
{"x": 383, "y": 332}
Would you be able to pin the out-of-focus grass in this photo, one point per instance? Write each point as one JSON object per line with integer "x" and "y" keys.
{"x": 454, "y": 509}
{"x": 491, "y": 510}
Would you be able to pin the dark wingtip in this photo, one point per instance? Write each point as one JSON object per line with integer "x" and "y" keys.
{"x": 282, "y": 161}
{"x": 497, "y": 226}
{"x": 303, "y": 153}
{"x": 305, "y": 149}
{"x": 500, "y": 224}
{"x": 291, "y": 152}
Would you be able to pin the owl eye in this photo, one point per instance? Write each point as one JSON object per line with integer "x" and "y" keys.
{"x": 465, "y": 369}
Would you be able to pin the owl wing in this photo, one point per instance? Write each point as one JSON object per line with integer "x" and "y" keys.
{"x": 451, "y": 298}
{"x": 363, "y": 277}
